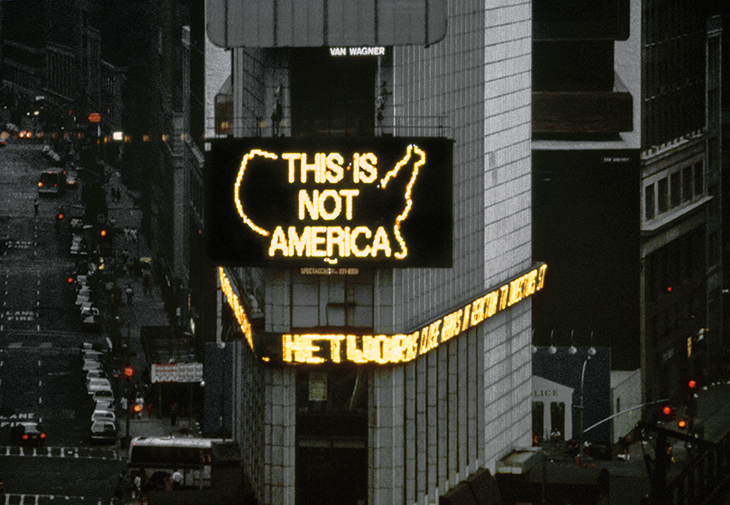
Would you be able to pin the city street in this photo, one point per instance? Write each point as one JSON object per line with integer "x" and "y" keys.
{"x": 41, "y": 378}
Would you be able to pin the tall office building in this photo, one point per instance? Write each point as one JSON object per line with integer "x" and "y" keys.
{"x": 626, "y": 173}
{"x": 371, "y": 216}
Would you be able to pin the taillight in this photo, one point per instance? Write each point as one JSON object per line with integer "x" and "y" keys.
{"x": 40, "y": 184}
{"x": 43, "y": 435}
{"x": 25, "y": 436}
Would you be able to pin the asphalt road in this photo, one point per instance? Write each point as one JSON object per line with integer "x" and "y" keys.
{"x": 40, "y": 339}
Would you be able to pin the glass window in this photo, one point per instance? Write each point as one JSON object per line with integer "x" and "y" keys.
{"x": 538, "y": 420}
{"x": 649, "y": 201}
{"x": 674, "y": 190}
{"x": 699, "y": 173}
{"x": 686, "y": 184}
{"x": 557, "y": 418}
{"x": 663, "y": 195}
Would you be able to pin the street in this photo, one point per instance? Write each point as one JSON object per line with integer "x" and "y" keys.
{"x": 41, "y": 378}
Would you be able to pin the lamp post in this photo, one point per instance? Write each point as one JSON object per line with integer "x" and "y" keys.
{"x": 591, "y": 352}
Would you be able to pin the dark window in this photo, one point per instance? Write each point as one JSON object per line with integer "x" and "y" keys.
{"x": 663, "y": 196}
{"x": 674, "y": 190}
{"x": 686, "y": 184}
{"x": 699, "y": 173}
{"x": 649, "y": 201}
{"x": 557, "y": 417}
{"x": 332, "y": 95}
{"x": 538, "y": 420}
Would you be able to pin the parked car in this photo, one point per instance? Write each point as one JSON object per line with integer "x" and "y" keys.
{"x": 28, "y": 433}
{"x": 103, "y": 415}
{"x": 104, "y": 405}
{"x": 91, "y": 364}
{"x": 96, "y": 374}
{"x": 102, "y": 394}
{"x": 103, "y": 432}
{"x": 98, "y": 381}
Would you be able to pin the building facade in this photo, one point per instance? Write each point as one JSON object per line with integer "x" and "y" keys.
{"x": 634, "y": 159}
{"x": 356, "y": 424}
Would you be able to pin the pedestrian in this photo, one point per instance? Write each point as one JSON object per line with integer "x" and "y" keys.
{"x": 173, "y": 414}
{"x": 177, "y": 479}
{"x": 35, "y": 206}
{"x": 130, "y": 293}
{"x": 149, "y": 410}
{"x": 137, "y": 486}
{"x": 556, "y": 436}
{"x": 146, "y": 284}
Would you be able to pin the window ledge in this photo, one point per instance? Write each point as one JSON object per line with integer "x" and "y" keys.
{"x": 671, "y": 215}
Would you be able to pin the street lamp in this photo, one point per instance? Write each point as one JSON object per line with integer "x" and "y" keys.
{"x": 590, "y": 353}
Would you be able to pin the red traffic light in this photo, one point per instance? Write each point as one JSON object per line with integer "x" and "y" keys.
{"x": 70, "y": 280}
{"x": 682, "y": 424}
{"x": 692, "y": 384}
{"x": 60, "y": 216}
{"x": 128, "y": 372}
{"x": 667, "y": 410}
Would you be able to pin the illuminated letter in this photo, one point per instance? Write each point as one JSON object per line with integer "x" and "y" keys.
{"x": 335, "y": 341}
{"x": 287, "y": 347}
{"x": 411, "y": 346}
{"x": 336, "y": 236}
{"x": 477, "y": 311}
{"x": 297, "y": 243}
{"x": 353, "y": 353}
{"x": 317, "y": 168}
{"x": 334, "y": 171}
{"x": 292, "y": 168}
{"x": 309, "y": 205}
{"x": 349, "y": 194}
{"x": 530, "y": 284}
{"x": 503, "y": 295}
{"x": 515, "y": 290}
{"x": 329, "y": 216}
{"x": 467, "y": 312}
{"x": 317, "y": 237}
{"x": 491, "y": 303}
{"x": 278, "y": 242}
{"x": 360, "y": 230}
{"x": 381, "y": 243}
{"x": 541, "y": 277}
{"x": 366, "y": 162}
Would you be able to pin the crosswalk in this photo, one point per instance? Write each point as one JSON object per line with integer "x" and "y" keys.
{"x": 108, "y": 453}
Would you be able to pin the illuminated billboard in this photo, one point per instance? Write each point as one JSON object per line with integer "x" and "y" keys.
{"x": 346, "y": 202}
{"x": 341, "y": 348}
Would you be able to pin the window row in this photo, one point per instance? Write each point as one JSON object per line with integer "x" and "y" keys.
{"x": 674, "y": 190}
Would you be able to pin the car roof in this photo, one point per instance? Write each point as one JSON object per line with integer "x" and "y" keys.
{"x": 102, "y": 424}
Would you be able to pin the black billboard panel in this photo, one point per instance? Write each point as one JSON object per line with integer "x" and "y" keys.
{"x": 360, "y": 202}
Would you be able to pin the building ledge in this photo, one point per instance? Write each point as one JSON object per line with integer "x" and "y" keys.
{"x": 586, "y": 112}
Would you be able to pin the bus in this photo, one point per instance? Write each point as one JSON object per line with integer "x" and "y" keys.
{"x": 211, "y": 470}
{"x": 51, "y": 182}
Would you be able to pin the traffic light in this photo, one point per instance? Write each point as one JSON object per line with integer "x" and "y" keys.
{"x": 128, "y": 372}
{"x": 682, "y": 424}
{"x": 691, "y": 385}
{"x": 668, "y": 412}
{"x": 60, "y": 215}
{"x": 103, "y": 233}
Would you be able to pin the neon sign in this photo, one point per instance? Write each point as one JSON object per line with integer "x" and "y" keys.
{"x": 303, "y": 202}
{"x": 320, "y": 348}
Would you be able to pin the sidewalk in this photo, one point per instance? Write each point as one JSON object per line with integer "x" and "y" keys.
{"x": 145, "y": 309}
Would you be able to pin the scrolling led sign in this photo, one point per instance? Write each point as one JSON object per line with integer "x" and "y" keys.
{"x": 380, "y": 202}
{"x": 319, "y": 348}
